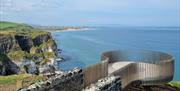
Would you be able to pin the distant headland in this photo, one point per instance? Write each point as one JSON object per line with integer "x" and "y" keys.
{"x": 61, "y": 28}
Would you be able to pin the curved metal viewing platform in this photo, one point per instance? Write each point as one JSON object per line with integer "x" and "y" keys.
{"x": 149, "y": 67}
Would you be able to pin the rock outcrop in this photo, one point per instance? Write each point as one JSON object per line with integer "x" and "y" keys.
{"x": 24, "y": 42}
{"x": 7, "y": 67}
{"x": 67, "y": 81}
{"x": 12, "y": 43}
{"x": 110, "y": 83}
{"x": 8, "y": 43}
{"x": 25, "y": 49}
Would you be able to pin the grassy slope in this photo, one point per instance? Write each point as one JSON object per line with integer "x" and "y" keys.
{"x": 19, "y": 29}
{"x": 13, "y": 82}
{"x": 4, "y": 25}
{"x": 12, "y": 79}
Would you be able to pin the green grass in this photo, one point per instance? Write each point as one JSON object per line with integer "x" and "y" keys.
{"x": 4, "y": 25}
{"x": 33, "y": 50}
{"x": 12, "y": 79}
{"x": 17, "y": 55}
{"x": 9, "y": 25}
{"x": 174, "y": 84}
{"x": 49, "y": 54}
{"x": 19, "y": 29}
{"x": 34, "y": 33}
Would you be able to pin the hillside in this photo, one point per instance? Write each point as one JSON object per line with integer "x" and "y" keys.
{"x": 4, "y": 25}
{"x": 19, "y": 29}
{"x": 24, "y": 48}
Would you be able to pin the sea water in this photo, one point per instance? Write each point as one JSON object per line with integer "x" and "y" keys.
{"x": 83, "y": 48}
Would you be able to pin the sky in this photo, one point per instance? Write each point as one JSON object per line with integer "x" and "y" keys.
{"x": 92, "y": 12}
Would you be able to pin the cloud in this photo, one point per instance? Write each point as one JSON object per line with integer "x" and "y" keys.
{"x": 91, "y": 11}
{"x": 26, "y": 5}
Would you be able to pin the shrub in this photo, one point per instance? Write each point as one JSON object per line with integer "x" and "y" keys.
{"x": 17, "y": 55}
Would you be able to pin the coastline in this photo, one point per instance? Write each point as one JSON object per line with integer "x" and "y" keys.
{"x": 69, "y": 30}
{"x": 47, "y": 75}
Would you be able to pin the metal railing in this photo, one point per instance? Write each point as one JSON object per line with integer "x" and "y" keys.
{"x": 150, "y": 67}
{"x": 95, "y": 72}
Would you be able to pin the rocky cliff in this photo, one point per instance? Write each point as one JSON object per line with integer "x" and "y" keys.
{"x": 8, "y": 43}
{"x": 25, "y": 49}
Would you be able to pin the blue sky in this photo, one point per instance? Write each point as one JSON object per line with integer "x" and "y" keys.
{"x": 92, "y": 12}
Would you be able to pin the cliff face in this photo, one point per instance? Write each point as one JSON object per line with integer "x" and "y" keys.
{"x": 24, "y": 49}
{"x": 12, "y": 43}
{"x": 7, "y": 67}
{"x": 46, "y": 38}
{"x": 24, "y": 42}
{"x": 8, "y": 43}
{"x": 41, "y": 39}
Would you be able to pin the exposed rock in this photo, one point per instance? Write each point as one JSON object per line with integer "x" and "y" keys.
{"x": 41, "y": 39}
{"x": 47, "y": 68}
{"x": 70, "y": 81}
{"x": 73, "y": 81}
{"x": 110, "y": 83}
{"x": 25, "y": 42}
{"x": 30, "y": 66}
{"x": 7, "y": 67}
{"x": 134, "y": 86}
{"x": 8, "y": 43}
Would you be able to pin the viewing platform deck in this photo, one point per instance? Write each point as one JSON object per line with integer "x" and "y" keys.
{"x": 149, "y": 67}
{"x": 112, "y": 67}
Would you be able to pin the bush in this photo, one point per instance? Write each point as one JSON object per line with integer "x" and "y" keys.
{"x": 17, "y": 55}
{"x": 49, "y": 55}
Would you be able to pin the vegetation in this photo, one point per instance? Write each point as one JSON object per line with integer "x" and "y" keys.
{"x": 17, "y": 55}
{"x": 26, "y": 78}
{"x": 33, "y": 50}
{"x": 4, "y": 25}
{"x": 50, "y": 42}
{"x": 174, "y": 84}
{"x": 13, "y": 82}
{"x": 49, "y": 54}
{"x": 19, "y": 29}
{"x": 14, "y": 29}
{"x": 3, "y": 57}
{"x": 36, "y": 51}
{"x": 44, "y": 61}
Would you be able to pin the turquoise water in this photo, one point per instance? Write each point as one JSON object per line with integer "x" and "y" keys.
{"x": 83, "y": 48}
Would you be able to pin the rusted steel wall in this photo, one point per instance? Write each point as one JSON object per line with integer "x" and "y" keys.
{"x": 95, "y": 72}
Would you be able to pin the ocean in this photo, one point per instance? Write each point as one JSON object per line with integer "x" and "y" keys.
{"x": 83, "y": 48}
